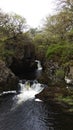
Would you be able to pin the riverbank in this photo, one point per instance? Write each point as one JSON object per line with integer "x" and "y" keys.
{"x": 59, "y": 96}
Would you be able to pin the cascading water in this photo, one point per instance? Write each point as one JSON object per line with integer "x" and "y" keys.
{"x": 21, "y": 111}
{"x": 39, "y": 69}
{"x": 38, "y": 65}
{"x": 28, "y": 90}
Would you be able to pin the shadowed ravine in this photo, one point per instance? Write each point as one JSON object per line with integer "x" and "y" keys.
{"x": 21, "y": 111}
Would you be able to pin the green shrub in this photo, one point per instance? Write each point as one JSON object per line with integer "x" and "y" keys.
{"x": 60, "y": 52}
{"x": 60, "y": 74}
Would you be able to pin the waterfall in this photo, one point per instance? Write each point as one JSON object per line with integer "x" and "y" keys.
{"x": 28, "y": 90}
{"x": 38, "y": 65}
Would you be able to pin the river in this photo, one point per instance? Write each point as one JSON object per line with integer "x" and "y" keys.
{"x": 21, "y": 111}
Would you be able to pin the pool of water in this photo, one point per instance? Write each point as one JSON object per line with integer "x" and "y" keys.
{"x": 31, "y": 114}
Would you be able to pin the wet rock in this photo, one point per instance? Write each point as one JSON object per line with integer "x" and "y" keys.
{"x": 54, "y": 72}
{"x": 71, "y": 71}
{"x": 69, "y": 76}
{"x": 45, "y": 95}
{"x": 8, "y": 80}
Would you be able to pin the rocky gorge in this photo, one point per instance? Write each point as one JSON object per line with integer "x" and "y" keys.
{"x": 18, "y": 59}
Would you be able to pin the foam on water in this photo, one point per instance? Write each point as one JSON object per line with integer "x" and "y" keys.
{"x": 7, "y": 92}
{"x": 28, "y": 92}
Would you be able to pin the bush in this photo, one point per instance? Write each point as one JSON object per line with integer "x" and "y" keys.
{"x": 60, "y": 52}
{"x": 60, "y": 74}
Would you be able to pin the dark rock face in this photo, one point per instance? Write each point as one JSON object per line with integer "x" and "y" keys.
{"x": 22, "y": 59}
{"x": 7, "y": 78}
{"x": 24, "y": 62}
{"x": 54, "y": 72}
{"x": 19, "y": 58}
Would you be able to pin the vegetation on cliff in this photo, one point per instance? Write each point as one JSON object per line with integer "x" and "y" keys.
{"x": 58, "y": 34}
{"x": 16, "y": 47}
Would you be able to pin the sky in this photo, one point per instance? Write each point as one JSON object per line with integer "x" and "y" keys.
{"x": 34, "y": 11}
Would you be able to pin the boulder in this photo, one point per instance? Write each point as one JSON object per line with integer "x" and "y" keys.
{"x": 54, "y": 72}
{"x": 8, "y": 81}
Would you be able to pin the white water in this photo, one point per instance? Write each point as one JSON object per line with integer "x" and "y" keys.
{"x": 28, "y": 91}
{"x": 7, "y": 92}
{"x": 39, "y": 65}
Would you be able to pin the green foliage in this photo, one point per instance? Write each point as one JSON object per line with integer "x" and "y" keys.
{"x": 60, "y": 25}
{"x": 66, "y": 4}
{"x": 1, "y": 50}
{"x": 15, "y": 47}
{"x": 67, "y": 100}
{"x": 60, "y": 52}
{"x": 60, "y": 74}
{"x": 11, "y": 24}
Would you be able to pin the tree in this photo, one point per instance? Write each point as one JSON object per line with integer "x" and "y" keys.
{"x": 59, "y": 25}
{"x": 66, "y": 4}
{"x": 11, "y": 25}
